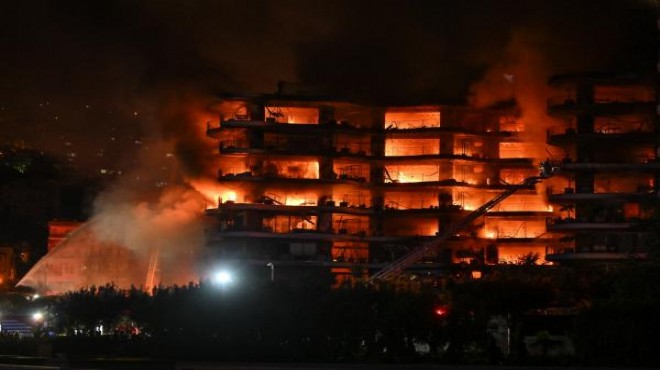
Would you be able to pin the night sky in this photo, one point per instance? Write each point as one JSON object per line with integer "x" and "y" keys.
{"x": 102, "y": 79}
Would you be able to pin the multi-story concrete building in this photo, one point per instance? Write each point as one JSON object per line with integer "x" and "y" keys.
{"x": 350, "y": 188}
{"x": 610, "y": 175}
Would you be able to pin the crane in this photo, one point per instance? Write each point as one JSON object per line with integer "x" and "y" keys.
{"x": 546, "y": 170}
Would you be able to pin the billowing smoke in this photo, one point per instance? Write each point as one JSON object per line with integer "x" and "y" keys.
{"x": 520, "y": 75}
{"x": 147, "y": 228}
{"x": 161, "y": 219}
{"x": 168, "y": 228}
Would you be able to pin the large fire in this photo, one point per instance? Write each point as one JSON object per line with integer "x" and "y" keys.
{"x": 446, "y": 166}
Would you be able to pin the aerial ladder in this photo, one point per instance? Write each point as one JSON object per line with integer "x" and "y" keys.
{"x": 546, "y": 170}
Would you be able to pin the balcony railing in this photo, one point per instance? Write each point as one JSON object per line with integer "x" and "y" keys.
{"x": 604, "y": 129}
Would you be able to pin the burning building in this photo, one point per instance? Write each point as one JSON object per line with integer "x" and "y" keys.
{"x": 308, "y": 182}
{"x": 610, "y": 174}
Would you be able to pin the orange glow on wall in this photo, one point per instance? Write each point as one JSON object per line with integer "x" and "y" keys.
{"x": 410, "y": 200}
{"x": 608, "y": 183}
{"x": 407, "y": 147}
{"x": 351, "y": 171}
{"x": 59, "y": 230}
{"x": 499, "y": 228}
{"x": 343, "y": 276}
{"x": 350, "y": 144}
{"x": 293, "y": 115}
{"x": 517, "y": 150}
{"x": 522, "y": 203}
{"x": 351, "y": 197}
{"x": 7, "y": 265}
{"x": 233, "y": 139}
{"x": 632, "y": 210}
{"x": 511, "y": 124}
{"x": 515, "y": 176}
{"x": 411, "y": 120}
{"x": 470, "y": 199}
{"x": 411, "y": 227}
{"x": 233, "y": 166}
{"x": 622, "y": 124}
{"x": 350, "y": 224}
{"x": 412, "y": 173}
{"x": 468, "y": 146}
{"x": 283, "y": 224}
{"x": 232, "y": 110}
{"x": 469, "y": 173}
{"x": 300, "y": 199}
{"x": 623, "y": 94}
{"x": 350, "y": 251}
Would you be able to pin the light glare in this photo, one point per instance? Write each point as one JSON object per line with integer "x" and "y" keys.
{"x": 223, "y": 277}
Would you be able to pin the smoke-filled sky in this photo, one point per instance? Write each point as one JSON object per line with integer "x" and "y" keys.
{"x": 81, "y": 72}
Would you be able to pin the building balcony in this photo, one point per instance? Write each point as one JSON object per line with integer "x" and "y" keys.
{"x": 248, "y": 176}
{"x": 301, "y": 234}
{"x": 570, "y": 224}
{"x": 569, "y": 196}
{"x": 216, "y": 129}
{"x": 395, "y": 210}
{"x": 270, "y": 125}
{"x": 273, "y": 208}
{"x": 435, "y": 132}
{"x": 233, "y": 147}
{"x": 568, "y": 105}
{"x": 648, "y": 165}
{"x": 592, "y": 253}
{"x": 562, "y": 135}
{"x": 415, "y": 158}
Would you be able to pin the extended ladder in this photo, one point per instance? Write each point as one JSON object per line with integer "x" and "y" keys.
{"x": 416, "y": 254}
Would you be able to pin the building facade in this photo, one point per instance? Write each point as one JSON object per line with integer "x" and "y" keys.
{"x": 314, "y": 183}
{"x": 609, "y": 178}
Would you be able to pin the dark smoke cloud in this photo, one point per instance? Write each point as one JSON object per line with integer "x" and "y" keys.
{"x": 407, "y": 52}
{"x": 126, "y": 56}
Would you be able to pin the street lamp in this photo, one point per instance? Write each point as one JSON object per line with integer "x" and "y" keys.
{"x": 223, "y": 278}
{"x": 37, "y": 316}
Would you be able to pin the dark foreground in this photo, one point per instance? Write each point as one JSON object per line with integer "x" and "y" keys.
{"x": 26, "y": 363}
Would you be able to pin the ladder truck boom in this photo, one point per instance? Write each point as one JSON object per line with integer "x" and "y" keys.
{"x": 546, "y": 170}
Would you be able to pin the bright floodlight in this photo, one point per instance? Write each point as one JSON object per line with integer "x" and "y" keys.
{"x": 223, "y": 277}
{"x": 37, "y": 316}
